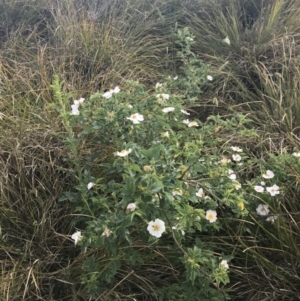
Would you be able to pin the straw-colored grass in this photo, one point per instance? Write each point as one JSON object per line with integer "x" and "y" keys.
{"x": 258, "y": 73}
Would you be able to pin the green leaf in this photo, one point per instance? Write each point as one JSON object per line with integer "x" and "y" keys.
{"x": 169, "y": 196}
{"x": 199, "y": 168}
{"x": 154, "y": 153}
{"x": 90, "y": 264}
{"x": 134, "y": 167}
{"x": 154, "y": 188}
{"x": 129, "y": 186}
{"x": 168, "y": 182}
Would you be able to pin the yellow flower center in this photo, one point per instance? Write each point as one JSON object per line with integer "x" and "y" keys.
{"x": 241, "y": 205}
{"x": 211, "y": 216}
{"x": 156, "y": 227}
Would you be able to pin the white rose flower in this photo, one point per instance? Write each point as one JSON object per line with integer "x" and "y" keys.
{"x": 163, "y": 96}
{"x": 268, "y": 174}
{"x": 226, "y": 40}
{"x": 236, "y": 149}
{"x": 211, "y": 216}
{"x": 272, "y": 218}
{"x": 90, "y": 185}
{"x": 131, "y": 207}
{"x": 76, "y": 236}
{"x": 258, "y": 188}
{"x": 193, "y": 124}
{"x": 116, "y": 89}
{"x": 156, "y": 228}
{"x": 168, "y": 109}
{"x": 166, "y": 134}
{"x": 273, "y": 190}
{"x": 106, "y": 232}
{"x": 185, "y": 112}
{"x": 236, "y": 157}
{"x": 224, "y": 264}
{"x": 136, "y": 118}
{"x": 124, "y": 152}
{"x": 108, "y": 94}
{"x": 232, "y": 176}
{"x": 200, "y": 193}
{"x": 75, "y": 110}
{"x": 262, "y": 209}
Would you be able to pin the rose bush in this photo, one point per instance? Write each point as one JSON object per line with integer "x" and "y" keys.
{"x": 165, "y": 179}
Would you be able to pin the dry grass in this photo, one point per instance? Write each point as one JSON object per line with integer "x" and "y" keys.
{"x": 258, "y": 72}
{"x": 35, "y": 246}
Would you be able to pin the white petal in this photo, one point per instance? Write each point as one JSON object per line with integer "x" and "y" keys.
{"x": 226, "y": 40}
{"x": 131, "y": 207}
{"x": 268, "y": 175}
{"x": 168, "y": 109}
{"x": 116, "y": 89}
{"x": 185, "y": 112}
{"x": 90, "y": 185}
{"x": 108, "y": 94}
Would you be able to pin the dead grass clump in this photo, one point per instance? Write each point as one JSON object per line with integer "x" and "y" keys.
{"x": 257, "y": 73}
{"x": 36, "y": 249}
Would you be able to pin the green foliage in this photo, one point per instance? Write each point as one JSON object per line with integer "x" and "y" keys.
{"x": 193, "y": 77}
{"x": 176, "y": 175}
{"x": 165, "y": 168}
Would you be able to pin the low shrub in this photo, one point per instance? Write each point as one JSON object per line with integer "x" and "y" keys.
{"x": 154, "y": 183}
